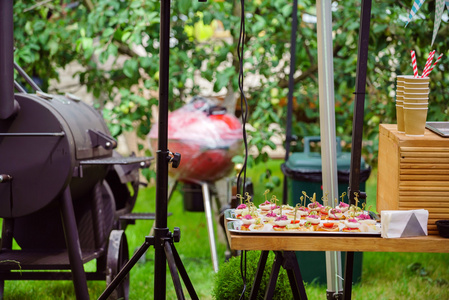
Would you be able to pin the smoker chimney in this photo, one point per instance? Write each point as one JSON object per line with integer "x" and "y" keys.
{"x": 8, "y": 106}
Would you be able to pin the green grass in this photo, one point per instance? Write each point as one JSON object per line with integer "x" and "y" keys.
{"x": 384, "y": 275}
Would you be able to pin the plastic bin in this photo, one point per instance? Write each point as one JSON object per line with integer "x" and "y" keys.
{"x": 193, "y": 197}
{"x": 304, "y": 171}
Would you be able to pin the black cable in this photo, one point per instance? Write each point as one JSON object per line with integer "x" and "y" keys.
{"x": 244, "y": 107}
{"x": 243, "y": 273}
{"x": 243, "y": 101}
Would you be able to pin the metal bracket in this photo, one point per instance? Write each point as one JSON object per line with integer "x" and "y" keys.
{"x": 174, "y": 159}
{"x": 99, "y": 138}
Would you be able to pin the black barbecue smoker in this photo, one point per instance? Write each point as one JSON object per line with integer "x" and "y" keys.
{"x": 64, "y": 194}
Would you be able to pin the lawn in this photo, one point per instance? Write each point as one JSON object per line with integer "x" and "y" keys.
{"x": 384, "y": 275}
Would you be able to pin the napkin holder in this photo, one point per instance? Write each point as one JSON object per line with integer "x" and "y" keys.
{"x": 404, "y": 223}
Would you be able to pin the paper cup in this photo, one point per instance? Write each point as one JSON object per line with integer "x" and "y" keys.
{"x": 416, "y": 100}
{"x": 417, "y": 90}
{"x": 415, "y": 121}
{"x": 399, "y": 86}
{"x": 412, "y": 79}
{"x": 415, "y": 105}
{"x": 417, "y": 85}
{"x": 407, "y": 94}
{"x": 400, "y": 118}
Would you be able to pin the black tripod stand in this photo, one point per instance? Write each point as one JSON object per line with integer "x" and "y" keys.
{"x": 163, "y": 240}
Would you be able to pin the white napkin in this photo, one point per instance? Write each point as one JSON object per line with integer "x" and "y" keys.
{"x": 404, "y": 223}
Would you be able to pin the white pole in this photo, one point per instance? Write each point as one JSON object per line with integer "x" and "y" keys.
{"x": 327, "y": 124}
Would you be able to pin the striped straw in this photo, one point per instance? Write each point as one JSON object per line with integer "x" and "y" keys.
{"x": 415, "y": 66}
{"x": 426, "y": 74}
{"x": 428, "y": 62}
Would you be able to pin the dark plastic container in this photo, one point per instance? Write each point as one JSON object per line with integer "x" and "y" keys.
{"x": 443, "y": 228}
{"x": 304, "y": 172}
{"x": 193, "y": 197}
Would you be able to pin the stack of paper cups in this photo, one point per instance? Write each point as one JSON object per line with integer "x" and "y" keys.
{"x": 400, "y": 103}
{"x": 415, "y": 104}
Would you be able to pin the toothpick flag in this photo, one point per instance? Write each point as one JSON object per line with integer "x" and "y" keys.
{"x": 439, "y": 8}
{"x": 416, "y": 6}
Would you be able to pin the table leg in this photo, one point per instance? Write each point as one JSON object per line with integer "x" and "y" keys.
{"x": 349, "y": 266}
{"x": 259, "y": 274}
{"x": 274, "y": 275}
{"x": 290, "y": 264}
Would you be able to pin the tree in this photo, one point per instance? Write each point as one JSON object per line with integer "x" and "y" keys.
{"x": 117, "y": 42}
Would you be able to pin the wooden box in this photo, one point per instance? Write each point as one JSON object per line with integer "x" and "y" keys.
{"x": 413, "y": 173}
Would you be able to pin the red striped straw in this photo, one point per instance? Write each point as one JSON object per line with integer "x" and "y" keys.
{"x": 426, "y": 74}
{"x": 415, "y": 66}
{"x": 428, "y": 62}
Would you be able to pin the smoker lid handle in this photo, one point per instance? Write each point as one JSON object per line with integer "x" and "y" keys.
{"x": 99, "y": 138}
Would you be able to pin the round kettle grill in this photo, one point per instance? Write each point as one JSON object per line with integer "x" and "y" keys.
{"x": 207, "y": 136}
{"x": 64, "y": 195}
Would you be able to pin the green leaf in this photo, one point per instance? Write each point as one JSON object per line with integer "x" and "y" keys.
{"x": 87, "y": 43}
{"x": 287, "y": 10}
{"x": 39, "y": 25}
{"x": 183, "y": 6}
{"x": 145, "y": 62}
{"x": 276, "y": 180}
{"x": 126, "y": 36}
{"x": 108, "y": 32}
{"x": 130, "y": 68}
{"x": 136, "y": 4}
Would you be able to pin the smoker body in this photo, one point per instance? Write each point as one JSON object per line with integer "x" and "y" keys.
{"x": 56, "y": 156}
{"x": 41, "y": 149}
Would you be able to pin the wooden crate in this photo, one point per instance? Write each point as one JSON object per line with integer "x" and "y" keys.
{"x": 413, "y": 173}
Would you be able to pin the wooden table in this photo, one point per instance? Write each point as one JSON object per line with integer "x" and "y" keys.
{"x": 431, "y": 243}
{"x": 283, "y": 245}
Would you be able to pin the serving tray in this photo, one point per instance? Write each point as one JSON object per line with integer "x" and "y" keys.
{"x": 234, "y": 227}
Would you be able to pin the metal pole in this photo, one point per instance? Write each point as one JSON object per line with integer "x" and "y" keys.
{"x": 7, "y": 103}
{"x": 210, "y": 224}
{"x": 162, "y": 158}
{"x": 327, "y": 124}
{"x": 359, "y": 103}
{"x": 291, "y": 86}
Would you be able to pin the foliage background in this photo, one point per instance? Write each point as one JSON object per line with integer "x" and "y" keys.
{"x": 117, "y": 43}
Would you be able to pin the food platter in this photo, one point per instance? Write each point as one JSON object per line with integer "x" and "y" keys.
{"x": 229, "y": 215}
{"x": 258, "y": 223}
{"x": 235, "y": 227}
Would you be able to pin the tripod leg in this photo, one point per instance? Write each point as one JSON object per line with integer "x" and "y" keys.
{"x": 294, "y": 275}
{"x": 347, "y": 289}
{"x": 274, "y": 275}
{"x": 173, "y": 270}
{"x": 210, "y": 224}
{"x": 125, "y": 271}
{"x": 259, "y": 273}
{"x": 73, "y": 245}
{"x": 183, "y": 273}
